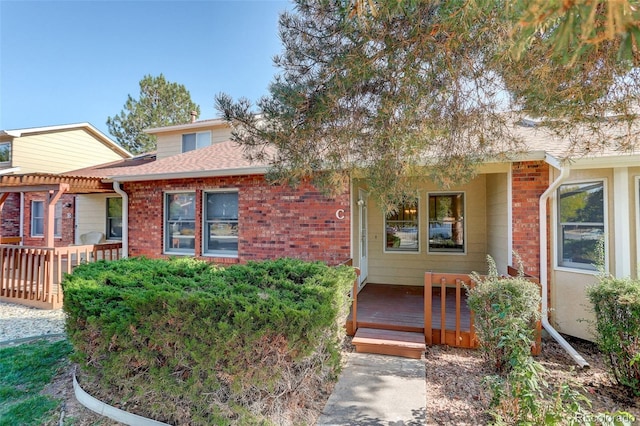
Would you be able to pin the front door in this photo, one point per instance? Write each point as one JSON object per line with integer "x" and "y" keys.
{"x": 362, "y": 215}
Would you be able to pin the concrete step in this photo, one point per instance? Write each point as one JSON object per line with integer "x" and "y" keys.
{"x": 389, "y": 342}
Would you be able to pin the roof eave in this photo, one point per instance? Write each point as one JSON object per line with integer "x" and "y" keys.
{"x": 188, "y": 126}
{"x": 17, "y": 133}
{"x": 610, "y": 161}
{"x": 242, "y": 171}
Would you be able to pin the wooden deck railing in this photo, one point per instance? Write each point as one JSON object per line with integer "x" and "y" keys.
{"x": 459, "y": 331}
{"x": 32, "y": 275}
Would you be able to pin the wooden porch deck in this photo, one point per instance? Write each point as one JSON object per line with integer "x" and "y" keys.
{"x": 32, "y": 275}
{"x": 401, "y": 308}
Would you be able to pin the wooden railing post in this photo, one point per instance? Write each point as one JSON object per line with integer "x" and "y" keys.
{"x": 428, "y": 290}
{"x": 443, "y": 311}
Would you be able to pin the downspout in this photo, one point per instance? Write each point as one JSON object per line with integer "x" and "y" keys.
{"x": 125, "y": 218}
{"x": 564, "y": 173}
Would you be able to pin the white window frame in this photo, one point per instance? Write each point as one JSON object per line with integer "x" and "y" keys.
{"x": 57, "y": 219}
{"x": 205, "y": 228}
{"x": 197, "y": 135}
{"x": 556, "y": 227}
{"x": 465, "y": 234}
{"x": 386, "y": 250}
{"x": 108, "y": 222}
{"x": 637, "y": 206}
{"x": 165, "y": 225}
{"x": 2, "y": 144}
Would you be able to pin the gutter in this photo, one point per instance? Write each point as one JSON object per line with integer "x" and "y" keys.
{"x": 125, "y": 218}
{"x": 243, "y": 171}
{"x": 564, "y": 173}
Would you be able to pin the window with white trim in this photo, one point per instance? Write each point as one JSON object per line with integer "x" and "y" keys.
{"x": 220, "y": 224}
{"x": 180, "y": 222}
{"x": 192, "y": 141}
{"x": 446, "y": 223}
{"x": 580, "y": 224}
{"x": 114, "y": 218}
{"x": 5, "y": 152}
{"x": 402, "y": 233}
{"x": 37, "y": 219}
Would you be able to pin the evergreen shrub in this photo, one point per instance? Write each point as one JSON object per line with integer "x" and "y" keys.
{"x": 187, "y": 342}
{"x": 616, "y": 304}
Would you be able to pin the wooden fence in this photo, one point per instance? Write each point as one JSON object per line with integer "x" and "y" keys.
{"x": 32, "y": 275}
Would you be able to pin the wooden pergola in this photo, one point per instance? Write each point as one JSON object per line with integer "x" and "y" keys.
{"x": 53, "y": 186}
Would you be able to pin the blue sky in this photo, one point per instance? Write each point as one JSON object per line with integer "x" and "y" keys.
{"x": 66, "y": 62}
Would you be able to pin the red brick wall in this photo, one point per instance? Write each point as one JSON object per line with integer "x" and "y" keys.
{"x": 529, "y": 181}
{"x": 68, "y": 221}
{"x": 11, "y": 216}
{"x": 274, "y": 221}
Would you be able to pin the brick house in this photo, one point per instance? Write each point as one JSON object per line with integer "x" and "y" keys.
{"x": 202, "y": 198}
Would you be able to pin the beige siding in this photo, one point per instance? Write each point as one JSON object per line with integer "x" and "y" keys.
{"x": 60, "y": 152}
{"x": 409, "y": 268}
{"x": 498, "y": 220}
{"x": 634, "y": 197}
{"x": 569, "y": 304}
{"x": 571, "y": 312}
{"x": 170, "y": 144}
{"x": 91, "y": 213}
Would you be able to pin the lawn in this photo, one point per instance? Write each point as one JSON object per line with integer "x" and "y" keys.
{"x": 25, "y": 371}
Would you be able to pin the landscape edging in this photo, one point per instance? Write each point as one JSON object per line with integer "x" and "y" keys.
{"x": 107, "y": 410}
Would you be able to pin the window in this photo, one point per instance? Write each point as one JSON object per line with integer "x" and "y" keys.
{"x": 5, "y": 152}
{"x": 114, "y": 218}
{"x": 221, "y": 223}
{"x": 180, "y": 213}
{"x": 446, "y": 223}
{"x": 37, "y": 219}
{"x": 402, "y": 228}
{"x": 191, "y": 141}
{"x": 580, "y": 224}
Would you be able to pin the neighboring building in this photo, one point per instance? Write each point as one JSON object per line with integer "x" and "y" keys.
{"x": 39, "y": 154}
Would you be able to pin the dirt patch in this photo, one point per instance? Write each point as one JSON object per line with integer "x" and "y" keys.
{"x": 71, "y": 411}
{"x": 455, "y": 394}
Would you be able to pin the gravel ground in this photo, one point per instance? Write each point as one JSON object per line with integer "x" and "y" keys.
{"x": 19, "y": 322}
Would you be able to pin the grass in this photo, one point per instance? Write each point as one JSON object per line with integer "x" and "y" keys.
{"x": 26, "y": 370}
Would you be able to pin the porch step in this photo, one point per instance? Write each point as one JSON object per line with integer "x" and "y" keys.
{"x": 389, "y": 342}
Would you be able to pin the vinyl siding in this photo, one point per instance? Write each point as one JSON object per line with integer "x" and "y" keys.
{"x": 91, "y": 214}
{"x": 60, "y": 152}
{"x": 409, "y": 268}
{"x": 498, "y": 220}
{"x": 170, "y": 144}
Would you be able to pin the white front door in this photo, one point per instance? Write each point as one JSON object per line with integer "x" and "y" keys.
{"x": 362, "y": 216}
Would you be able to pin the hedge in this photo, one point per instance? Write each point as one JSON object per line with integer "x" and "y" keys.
{"x": 187, "y": 342}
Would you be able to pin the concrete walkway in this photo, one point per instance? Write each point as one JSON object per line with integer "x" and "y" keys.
{"x": 378, "y": 390}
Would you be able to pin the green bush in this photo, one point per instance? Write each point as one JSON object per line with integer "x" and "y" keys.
{"x": 193, "y": 343}
{"x": 504, "y": 307}
{"x": 506, "y": 311}
{"x": 616, "y": 304}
